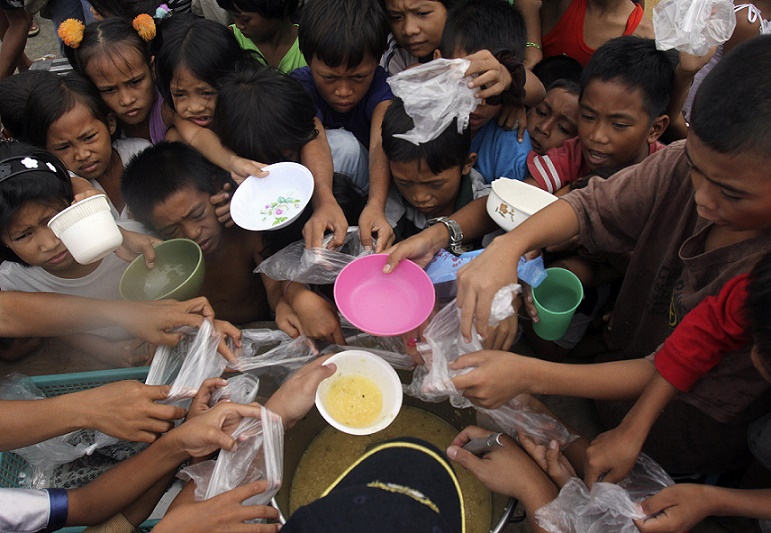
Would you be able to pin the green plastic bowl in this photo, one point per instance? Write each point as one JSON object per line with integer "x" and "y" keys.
{"x": 178, "y": 273}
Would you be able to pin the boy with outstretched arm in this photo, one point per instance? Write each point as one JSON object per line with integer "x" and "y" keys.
{"x": 695, "y": 215}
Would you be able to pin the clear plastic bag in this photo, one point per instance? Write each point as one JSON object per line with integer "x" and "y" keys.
{"x": 45, "y": 456}
{"x": 608, "y": 507}
{"x": 516, "y": 417}
{"x": 258, "y": 454}
{"x": 693, "y": 26}
{"x": 242, "y": 388}
{"x": 279, "y": 361}
{"x": 197, "y": 359}
{"x": 318, "y": 266}
{"x": 431, "y": 382}
{"x": 444, "y": 344}
{"x": 168, "y": 359}
{"x": 434, "y": 94}
{"x": 391, "y": 349}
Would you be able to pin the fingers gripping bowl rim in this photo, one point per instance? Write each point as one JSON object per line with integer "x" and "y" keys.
{"x": 178, "y": 273}
{"x": 384, "y": 304}
{"x": 370, "y": 366}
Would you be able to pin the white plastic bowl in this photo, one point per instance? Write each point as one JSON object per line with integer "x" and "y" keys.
{"x": 511, "y": 202}
{"x": 272, "y": 202}
{"x": 87, "y": 229}
{"x": 368, "y": 365}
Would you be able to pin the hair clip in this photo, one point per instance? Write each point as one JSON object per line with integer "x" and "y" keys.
{"x": 145, "y": 26}
{"x": 71, "y": 32}
{"x": 162, "y": 12}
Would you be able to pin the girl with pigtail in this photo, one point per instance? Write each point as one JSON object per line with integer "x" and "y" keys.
{"x": 116, "y": 56}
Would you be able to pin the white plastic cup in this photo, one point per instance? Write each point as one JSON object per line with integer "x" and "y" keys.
{"x": 370, "y": 366}
{"x": 87, "y": 229}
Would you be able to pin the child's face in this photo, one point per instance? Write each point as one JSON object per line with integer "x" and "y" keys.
{"x": 553, "y": 121}
{"x": 614, "y": 128}
{"x": 194, "y": 99}
{"x": 188, "y": 214}
{"x": 30, "y": 238}
{"x": 82, "y": 142}
{"x": 434, "y": 195}
{"x": 126, "y": 84}
{"x": 731, "y": 190}
{"x": 417, "y": 25}
{"x": 340, "y": 87}
{"x": 255, "y": 26}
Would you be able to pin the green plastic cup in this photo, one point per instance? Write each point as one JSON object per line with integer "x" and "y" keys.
{"x": 556, "y": 299}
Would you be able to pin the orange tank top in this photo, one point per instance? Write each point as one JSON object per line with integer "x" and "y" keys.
{"x": 567, "y": 37}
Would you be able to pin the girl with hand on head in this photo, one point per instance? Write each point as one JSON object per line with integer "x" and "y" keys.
{"x": 67, "y": 117}
{"x": 117, "y": 56}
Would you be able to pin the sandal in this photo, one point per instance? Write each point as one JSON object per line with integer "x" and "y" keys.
{"x": 34, "y": 29}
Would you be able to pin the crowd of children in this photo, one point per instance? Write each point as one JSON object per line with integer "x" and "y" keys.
{"x": 166, "y": 113}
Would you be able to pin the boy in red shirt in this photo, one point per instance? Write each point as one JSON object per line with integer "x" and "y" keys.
{"x": 625, "y": 91}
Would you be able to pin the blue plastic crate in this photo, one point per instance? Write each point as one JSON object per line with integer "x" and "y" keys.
{"x": 12, "y": 466}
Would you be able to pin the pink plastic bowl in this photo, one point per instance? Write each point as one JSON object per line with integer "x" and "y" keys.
{"x": 384, "y": 304}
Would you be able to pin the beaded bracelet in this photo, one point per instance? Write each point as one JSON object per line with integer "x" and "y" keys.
{"x": 533, "y": 45}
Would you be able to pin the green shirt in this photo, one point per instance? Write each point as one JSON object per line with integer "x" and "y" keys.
{"x": 292, "y": 60}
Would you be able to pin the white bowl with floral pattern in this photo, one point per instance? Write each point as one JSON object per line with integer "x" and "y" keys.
{"x": 272, "y": 202}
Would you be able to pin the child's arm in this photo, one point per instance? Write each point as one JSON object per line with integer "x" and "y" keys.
{"x": 713, "y": 328}
{"x": 687, "y": 67}
{"x": 372, "y": 220}
{"x": 116, "y": 354}
{"x": 497, "y": 377}
{"x": 220, "y": 514}
{"x": 124, "y": 409}
{"x": 682, "y": 506}
{"x": 507, "y": 470}
{"x": 318, "y": 317}
{"x": 531, "y": 12}
{"x": 206, "y": 141}
{"x": 496, "y": 267}
{"x": 327, "y": 214}
{"x": 613, "y": 454}
{"x": 127, "y": 481}
{"x": 31, "y": 314}
{"x": 421, "y": 248}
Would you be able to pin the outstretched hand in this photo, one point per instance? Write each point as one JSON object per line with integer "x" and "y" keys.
{"x": 212, "y": 430}
{"x": 297, "y": 395}
{"x": 128, "y": 410}
{"x": 224, "y": 513}
{"x": 676, "y": 508}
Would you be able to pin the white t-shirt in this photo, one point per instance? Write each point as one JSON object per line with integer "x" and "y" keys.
{"x": 101, "y": 284}
{"x": 127, "y": 148}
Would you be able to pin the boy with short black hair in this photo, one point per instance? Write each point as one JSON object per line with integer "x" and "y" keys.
{"x": 168, "y": 187}
{"x": 694, "y": 215}
{"x": 625, "y": 90}
{"x": 342, "y": 41}
{"x": 493, "y": 25}
{"x": 432, "y": 179}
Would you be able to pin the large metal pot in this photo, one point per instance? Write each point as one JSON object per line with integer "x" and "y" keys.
{"x": 297, "y": 440}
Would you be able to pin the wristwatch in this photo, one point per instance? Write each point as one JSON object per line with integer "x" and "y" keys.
{"x": 456, "y": 234}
